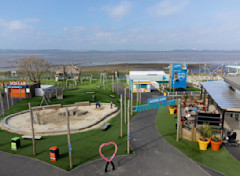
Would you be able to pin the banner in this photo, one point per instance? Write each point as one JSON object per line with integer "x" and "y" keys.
{"x": 157, "y": 99}
{"x": 155, "y": 105}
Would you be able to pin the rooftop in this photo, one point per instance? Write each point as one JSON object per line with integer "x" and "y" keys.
{"x": 226, "y": 98}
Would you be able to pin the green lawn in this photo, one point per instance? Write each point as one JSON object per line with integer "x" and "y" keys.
{"x": 221, "y": 160}
{"x": 188, "y": 88}
{"x": 85, "y": 144}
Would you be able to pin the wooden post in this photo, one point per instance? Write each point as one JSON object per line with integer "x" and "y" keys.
{"x": 137, "y": 96}
{"x": 125, "y": 106}
{"x": 140, "y": 95}
{"x": 204, "y": 98}
{"x": 11, "y": 96}
{"x": 33, "y": 135}
{"x": 121, "y": 115}
{"x": 208, "y": 102}
{"x": 112, "y": 84}
{"x": 20, "y": 94}
{"x": 180, "y": 130}
{"x": 128, "y": 130}
{"x": 117, "y": 85}
{"x": 7, "y": 94}
{"x": 194, "y": 134}
{"x": 178, "y": 119}
{"x": 131, "y": 101}
{"x": 69, "y": 140}
{"x": 1, "y": 99}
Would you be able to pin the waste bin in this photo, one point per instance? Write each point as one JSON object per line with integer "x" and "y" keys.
{"x": 54, "y": 153}
{"x": 15, "y": 143}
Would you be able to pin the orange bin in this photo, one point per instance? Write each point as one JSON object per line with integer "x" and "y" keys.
{"x": 54, "y": 153}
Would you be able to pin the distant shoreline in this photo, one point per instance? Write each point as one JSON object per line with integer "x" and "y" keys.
{"x": 120, "y": 67}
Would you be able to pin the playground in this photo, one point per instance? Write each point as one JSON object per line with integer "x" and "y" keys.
{"x": 53, "y": 120}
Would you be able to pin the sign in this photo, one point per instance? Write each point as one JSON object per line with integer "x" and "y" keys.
{"x": 70, "y": 148}
{"x": 17, "y": 83}
{"x": 155, "y": 105}
{"x": 179, "y": 76}
{"x": 27, "y": 90}
{"x": 157, "y": 99}
{"x": 9, "y": 86}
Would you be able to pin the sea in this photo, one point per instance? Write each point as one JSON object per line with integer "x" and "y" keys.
{"x": 9, "y": 58}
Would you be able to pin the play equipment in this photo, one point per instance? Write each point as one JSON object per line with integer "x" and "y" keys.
{"x": 54, "y": 153}
{"x": 15, "y": 143}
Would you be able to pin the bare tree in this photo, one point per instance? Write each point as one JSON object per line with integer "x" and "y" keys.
{"x": 33, "y": 67}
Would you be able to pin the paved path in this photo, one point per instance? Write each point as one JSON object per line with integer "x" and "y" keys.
{"x": 152, "y": 156}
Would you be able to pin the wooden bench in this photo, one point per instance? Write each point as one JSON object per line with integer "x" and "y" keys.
{"x": 106, "y": 126}
{"x": 90, "y": 92}
{"x": 30, "y": 137}
{"x": 210, "y": 118}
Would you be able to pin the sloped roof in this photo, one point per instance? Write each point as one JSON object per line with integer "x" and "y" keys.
{"x": 226, "y": 98}
{"x": 68, "y": 69}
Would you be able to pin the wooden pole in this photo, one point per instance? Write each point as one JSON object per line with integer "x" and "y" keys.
{"x": 117, "y": 85}
{"x": 33, "y": 135}
{"x": 1, "y": 99}
{"x": 128, "y": 129}
{"x": 69, "y": 140}
{"x": 121, "y": 115}
{"x": 125, "y": 106}
{"x": 7, "y": 94}
{"x": 20, "y": 94}
{"x": 11, "y": 96}
{"x": 131, "y": 101}
{"x": 178, "y": 118}
{"x": 137, "y": 96}
{"x": 112, "y": 84}
{"x": 140, "y": 96}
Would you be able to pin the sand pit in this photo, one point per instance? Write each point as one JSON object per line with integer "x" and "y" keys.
{"x": 53, "y": 121}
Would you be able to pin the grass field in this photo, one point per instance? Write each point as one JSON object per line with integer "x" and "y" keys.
{"x": 85, "y": 144}
{"x": 220, "y": 160}
{"x": 188, "y": 89}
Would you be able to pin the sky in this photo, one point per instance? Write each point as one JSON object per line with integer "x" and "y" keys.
{"x": 120, "y": 25}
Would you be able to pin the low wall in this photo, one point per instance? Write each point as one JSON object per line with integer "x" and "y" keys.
{"x": 190, "y": 134}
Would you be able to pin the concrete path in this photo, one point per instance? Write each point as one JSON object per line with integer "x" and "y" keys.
{"x": 152, "y": 156}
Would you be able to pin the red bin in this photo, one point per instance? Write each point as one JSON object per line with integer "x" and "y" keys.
{"x": 54, "y": 153}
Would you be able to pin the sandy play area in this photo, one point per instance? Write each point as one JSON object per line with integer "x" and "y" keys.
{"x": 49, "y": 121}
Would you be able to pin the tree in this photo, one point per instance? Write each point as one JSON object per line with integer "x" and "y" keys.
{"x": 33, "y": 67}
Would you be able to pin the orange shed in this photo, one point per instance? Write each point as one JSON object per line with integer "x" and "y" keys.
{"x": 19, "y": 89}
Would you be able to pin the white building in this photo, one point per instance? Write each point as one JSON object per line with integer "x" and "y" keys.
{"x": 149, "y": 80}
{"x": 44, "y": 88}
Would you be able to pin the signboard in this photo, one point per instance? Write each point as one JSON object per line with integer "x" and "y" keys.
{"x": 70, "y": 148}
{"x": 157, "y": 99}
{"x": 17, "y": 83}
{"x": 155, "y": 105}
{"x": 27, "y": 90}
{"x": 8, "y": 86}
{"x": 179, "y": 76}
